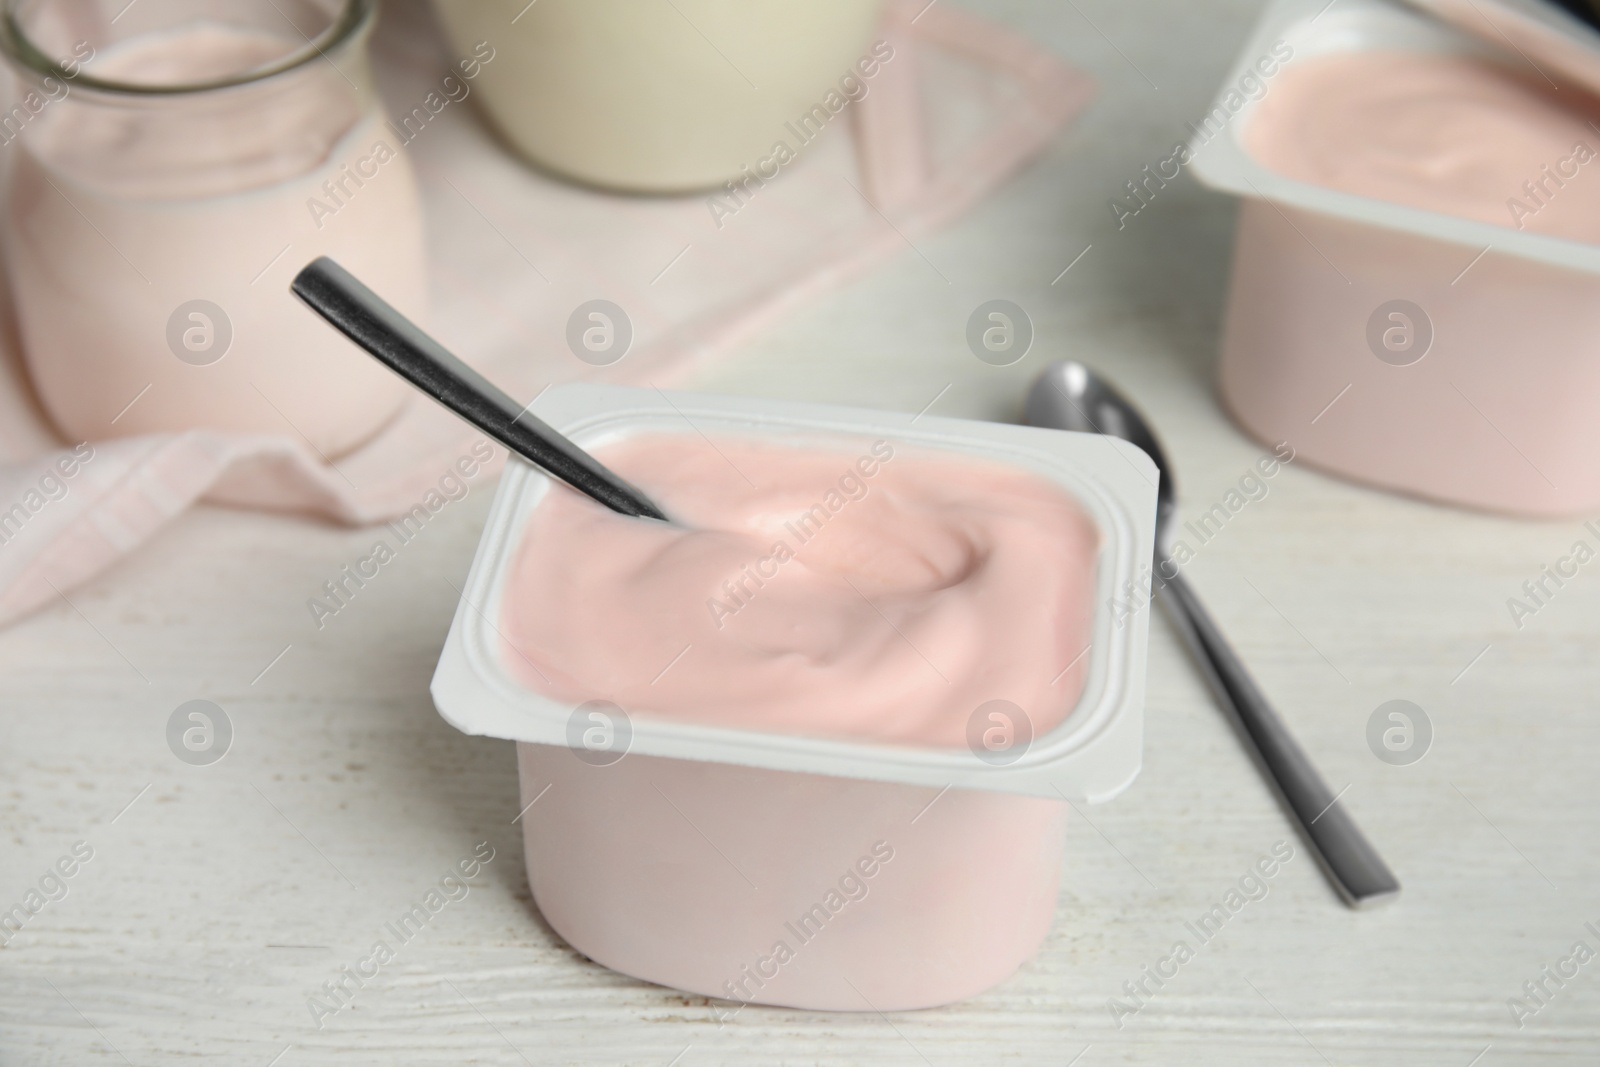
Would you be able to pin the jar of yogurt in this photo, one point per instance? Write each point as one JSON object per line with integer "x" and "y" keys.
{"x": 173, "y": 165}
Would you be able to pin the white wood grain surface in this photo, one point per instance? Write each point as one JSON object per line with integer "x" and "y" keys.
{"x": 219, "y": 897}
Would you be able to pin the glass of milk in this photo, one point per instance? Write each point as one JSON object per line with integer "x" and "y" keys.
{"x": 661, "y": 96}
{"x": 173, "y": 165}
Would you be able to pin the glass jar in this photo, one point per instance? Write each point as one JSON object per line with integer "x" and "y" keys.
{"x": 175, "y": 164}
{"x": 663, "y": 96}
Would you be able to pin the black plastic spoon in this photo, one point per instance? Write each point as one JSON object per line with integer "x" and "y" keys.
{"x": 397, "y": 342}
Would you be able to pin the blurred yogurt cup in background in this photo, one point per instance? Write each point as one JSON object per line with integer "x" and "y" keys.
{"x": 661, "y": 96}
{"x": 827, "y": 793}
{"x": 176, "y": 164}
{"x": 1415, "y": 294}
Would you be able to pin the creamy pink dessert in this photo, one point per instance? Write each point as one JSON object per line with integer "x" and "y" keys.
{"x": 151, "y": 237}
{"x": 1446, "y": 133}
{"x": 1398, "y": 311}
{"x": 823, "y": 588}
{"x": 871, "y": 591}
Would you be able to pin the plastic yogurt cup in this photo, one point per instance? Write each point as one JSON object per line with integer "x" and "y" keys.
{"x": 819, "y": 871}
{"x": 1437, "y": 354}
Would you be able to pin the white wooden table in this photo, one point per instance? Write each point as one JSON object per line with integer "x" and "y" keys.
{"x": 218, "y": 898}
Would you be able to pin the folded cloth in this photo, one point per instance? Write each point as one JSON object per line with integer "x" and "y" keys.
{"x": 962, "y": 105}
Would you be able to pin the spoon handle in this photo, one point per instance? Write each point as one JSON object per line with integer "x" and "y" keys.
{"x": 397, "y": 342}
{"x": 1351, "y": 863}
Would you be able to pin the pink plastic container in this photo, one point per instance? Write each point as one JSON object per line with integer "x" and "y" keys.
{"x": 1437, "y": 356}
{"x": 760, "y": 867}
{"x": 773, "y": 887}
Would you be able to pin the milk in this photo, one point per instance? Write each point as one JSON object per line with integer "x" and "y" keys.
{"x": 659, "y": 96}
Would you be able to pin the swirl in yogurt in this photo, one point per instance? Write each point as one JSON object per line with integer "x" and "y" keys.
{"x": 880, "y": 592}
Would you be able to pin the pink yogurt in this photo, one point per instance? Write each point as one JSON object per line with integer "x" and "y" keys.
{"x": 1448, "y": 133}
{"x": 878, "y": 593}
{"x": 150, "y": 239}
{"x": 867, "y": 591}
{"x": 1415, "y": 295}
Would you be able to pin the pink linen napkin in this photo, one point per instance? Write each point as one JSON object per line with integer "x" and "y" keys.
{"x": 961, "y": 106}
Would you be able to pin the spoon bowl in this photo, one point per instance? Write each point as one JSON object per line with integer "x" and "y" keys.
{"x": 1069, "y": 396}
